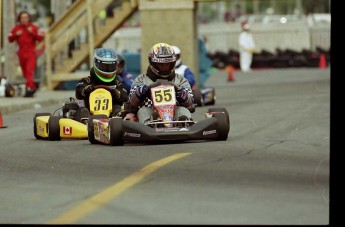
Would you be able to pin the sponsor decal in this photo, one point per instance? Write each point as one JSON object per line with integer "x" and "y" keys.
{"x": 40, "y": 128}
{"x": 169, "y": 130}
{"x": 67, "y": 130}
{"x": 130, "y": 134}
{"x": 205, "y": 133}
{"x": 96, "y": 131}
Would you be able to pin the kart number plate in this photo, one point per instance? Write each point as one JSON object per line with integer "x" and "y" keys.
{"x": 163, "y": 95}
{"x": 101, "y": 104}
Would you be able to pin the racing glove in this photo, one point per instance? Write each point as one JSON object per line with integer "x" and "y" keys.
{"x": 142, "y": 92}
{"x": 115, "y": 93}
{"x": 182, "y": 95}
{"x": 87, "y": 90}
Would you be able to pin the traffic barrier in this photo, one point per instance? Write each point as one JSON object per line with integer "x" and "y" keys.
{"x": 322, "y": 62}
{"x": 230, "y": 69}
{"x": 1, "y": 122}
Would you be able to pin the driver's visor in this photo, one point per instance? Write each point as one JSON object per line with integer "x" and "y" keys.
{"x": 106, "y": 66}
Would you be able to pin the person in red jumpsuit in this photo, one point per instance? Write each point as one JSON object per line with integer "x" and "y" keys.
{"x": 26, "y": 34}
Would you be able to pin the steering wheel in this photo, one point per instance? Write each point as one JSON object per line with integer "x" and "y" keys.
{"x": 159, "y": 83}
{"x": 108, "y": 88}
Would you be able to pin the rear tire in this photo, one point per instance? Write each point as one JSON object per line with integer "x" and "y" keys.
{"x": 54, "y": 128}
{"x": 35, "y": 125}
{"x": 213, "y": 102}
{"x": 9, "y": 90}
{"x": 116, "y": 132}
{"x": 90, "y": 127}
{"x": 197, "y": 97}
{"x": 223, "y": 126}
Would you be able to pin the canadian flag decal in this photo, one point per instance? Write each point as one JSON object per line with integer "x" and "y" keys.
{"x": 67, "y": 130}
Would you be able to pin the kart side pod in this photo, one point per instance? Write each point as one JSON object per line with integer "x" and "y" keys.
{"x": 55, "y": 128}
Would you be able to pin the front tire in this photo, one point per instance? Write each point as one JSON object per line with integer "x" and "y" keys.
{"x": 116, "y": 132}
{"x": 54, "y": 128}
{"x": 91, "y": 128}
{"x": 223, "y": 126}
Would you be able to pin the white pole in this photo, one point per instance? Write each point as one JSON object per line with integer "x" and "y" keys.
{"x": 9, "y": 17}
{"x": 90, "y": 32}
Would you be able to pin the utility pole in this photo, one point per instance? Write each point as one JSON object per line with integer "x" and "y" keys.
{"x": 9, "y": 13}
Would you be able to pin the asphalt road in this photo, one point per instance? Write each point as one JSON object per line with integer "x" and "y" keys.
{"x": 273, "y": 169}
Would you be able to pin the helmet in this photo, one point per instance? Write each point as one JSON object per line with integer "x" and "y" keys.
{"x": 178, "y": 54}
{"x": 121, "y": 66}
{"x": 245, "y": 25}
{"x": 162, "y": 60}
{"x": 121, "y": 60}
{"x": 105, "y": 64}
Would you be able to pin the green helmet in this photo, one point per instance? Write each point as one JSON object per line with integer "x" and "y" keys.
{"x": 105, "y": 64}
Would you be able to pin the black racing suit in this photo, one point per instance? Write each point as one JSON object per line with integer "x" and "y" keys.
{"x": 94, "y": 81}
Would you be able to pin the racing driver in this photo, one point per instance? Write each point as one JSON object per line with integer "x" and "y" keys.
{"x": 162, "y": 60}
{"x": 103, "y": 73}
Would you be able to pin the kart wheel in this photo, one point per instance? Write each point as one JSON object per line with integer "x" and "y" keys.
{"x": 54, "y": 128}
{"x": 116, "y": 133}
{"x": 9, "y": 90}
{"x": 35, "y": 125}
{"x": 220, "y": 110}
{"x": 197, "y": 97}
{"x": 90, "y": 127}
{"x": 213, "y": 98}
{"x": 213, "y": 102}
{"x": 223, "y": 126}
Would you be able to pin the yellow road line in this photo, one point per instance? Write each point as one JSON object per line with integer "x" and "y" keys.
{"x": 112, "y": 192}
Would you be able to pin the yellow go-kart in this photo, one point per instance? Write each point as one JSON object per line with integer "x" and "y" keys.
{"x": 72, "y": 123}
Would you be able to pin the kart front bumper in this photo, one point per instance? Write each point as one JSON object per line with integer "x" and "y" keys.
{"x": 203, "y": 130}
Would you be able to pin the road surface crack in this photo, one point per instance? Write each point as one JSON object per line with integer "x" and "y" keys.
{"x": 263, "y": 148}
{"x": 319, "y": 185}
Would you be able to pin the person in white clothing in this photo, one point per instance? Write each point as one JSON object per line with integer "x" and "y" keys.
{"x": 247, "y": 47}
{"x": 183, "y": 69}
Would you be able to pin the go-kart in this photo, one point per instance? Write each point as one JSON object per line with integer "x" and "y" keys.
{"x": 71, "y": 123}
{"x": 162, "y": 126}
{"x": 204, "y": 96}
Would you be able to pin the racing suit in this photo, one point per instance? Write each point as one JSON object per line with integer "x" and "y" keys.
{"x": 27, "y": 50}
{"x": 146, "y": 110}
{"x": 186, "y": 72}
{"x": 94, "y": 81}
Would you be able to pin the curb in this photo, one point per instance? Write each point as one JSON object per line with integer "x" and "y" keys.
{"x": 32, "y": 105}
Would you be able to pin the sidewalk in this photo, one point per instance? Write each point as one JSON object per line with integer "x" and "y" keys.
{"x": 42, "y": 98}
